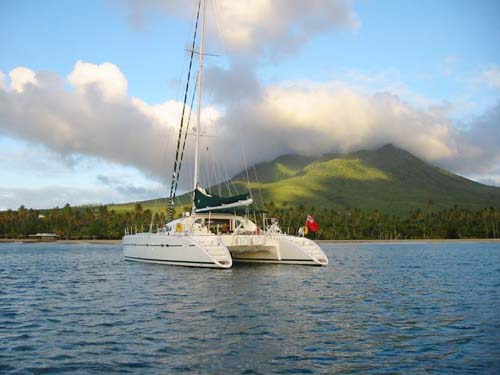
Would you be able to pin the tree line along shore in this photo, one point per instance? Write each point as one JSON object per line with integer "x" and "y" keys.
{"x": 102, "y": 223}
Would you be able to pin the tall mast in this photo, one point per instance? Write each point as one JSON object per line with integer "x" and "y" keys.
{"x": 198, "y": 114}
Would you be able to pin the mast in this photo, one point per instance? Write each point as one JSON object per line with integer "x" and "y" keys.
{"x": 198, "y": 114}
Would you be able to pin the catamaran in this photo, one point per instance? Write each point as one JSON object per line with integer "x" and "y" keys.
{"x": 212, "y": 234}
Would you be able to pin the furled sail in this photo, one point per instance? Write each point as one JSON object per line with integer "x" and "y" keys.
{"x": 204, "y": 201}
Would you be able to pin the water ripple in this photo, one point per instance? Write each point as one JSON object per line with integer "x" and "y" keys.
{"x": 377, "y": 308}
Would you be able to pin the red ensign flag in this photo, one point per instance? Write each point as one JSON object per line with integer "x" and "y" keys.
{"x": 311, "y": 224}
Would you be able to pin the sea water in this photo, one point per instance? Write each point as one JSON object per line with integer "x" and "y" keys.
{"x": 399, "y": 308}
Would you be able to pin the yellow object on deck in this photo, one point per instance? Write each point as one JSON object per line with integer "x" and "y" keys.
{"x": 179, "y": 228}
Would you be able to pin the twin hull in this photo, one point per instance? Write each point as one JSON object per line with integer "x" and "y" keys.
{"x": 220, "y": 251}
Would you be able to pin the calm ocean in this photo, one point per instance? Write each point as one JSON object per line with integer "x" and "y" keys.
{"x": 409, "y": 308}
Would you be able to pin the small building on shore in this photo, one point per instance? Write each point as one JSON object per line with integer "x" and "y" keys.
{"x": 44, "y": 237}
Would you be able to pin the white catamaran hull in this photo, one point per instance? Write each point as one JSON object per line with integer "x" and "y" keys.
{"x": 278, "y": 248}
{"x": 220, "y": 251}
{"x": 182, "y": 250}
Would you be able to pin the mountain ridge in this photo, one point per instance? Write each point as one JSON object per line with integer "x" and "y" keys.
{"x": 389, "y": 179}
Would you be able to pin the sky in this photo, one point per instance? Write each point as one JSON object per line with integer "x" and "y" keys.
{"x": 91, "y": 91}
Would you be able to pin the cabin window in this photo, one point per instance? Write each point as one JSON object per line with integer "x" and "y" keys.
{"x": 220, "y": 226}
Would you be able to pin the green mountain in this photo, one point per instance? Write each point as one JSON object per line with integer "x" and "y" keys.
{"x": 388, "y": 179}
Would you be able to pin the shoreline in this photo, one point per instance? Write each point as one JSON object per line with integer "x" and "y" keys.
{"x": 436, "y": 240}
{"x": 27, "y": 241}
{"x": 117, "y": 242}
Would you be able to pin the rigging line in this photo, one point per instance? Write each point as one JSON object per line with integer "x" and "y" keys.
{"x": 210, "y": 167}
{"x": 212, "y": 178}
{"x": 209, "y": 163}
{"x": 219, "y": 179}
{"x": 204, "y": 166}
{"x": 217, "y": 165}
{"x": 222, "y": 40}
{"x": 175, "y": 172}
{"x": 204, "y": 53}
{"x": 184, "y": 66}
{"x": 223, "y": 180}
{"x": 189, "y": 167}
{"x": 218, "y": 175}
{"x": 185, "y": 135}
{"x": 218, "y": 33}
{"x": 224, "y": 176}
{"x": 240, "y": 135}
{"x": 258, "y": 186}
{"x": 186, "y": 94}
{"x": 198, "y": 109}
{"x": 243, "y": 154}
{"x": 215, "y": 8}
{"x": 226, "y": 179}
{"x": 220, "y": 172}
{"x": 228, "y": 182}
{"x": 166, "y": 147}
{"x": 176, "y": 199}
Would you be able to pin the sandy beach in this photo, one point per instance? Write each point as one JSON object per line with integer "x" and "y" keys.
{"x": 20, "y": 240}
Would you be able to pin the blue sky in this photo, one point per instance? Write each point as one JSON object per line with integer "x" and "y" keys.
{"x": 53, "y": 35}
{"x": 427, "y": 54}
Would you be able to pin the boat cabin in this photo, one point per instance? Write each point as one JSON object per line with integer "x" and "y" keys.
{"x": 213, "y": 223}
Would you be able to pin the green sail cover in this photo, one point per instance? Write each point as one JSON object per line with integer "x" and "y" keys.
{"x": 203, "y": 199}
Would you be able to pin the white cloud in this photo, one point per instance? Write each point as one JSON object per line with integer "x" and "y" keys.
{"x": 59, "y": 195}
{"x": 128, "y": 190}
{"x": 491, "y": 76}
{"x": 3, "y": 85}
{"x": 279, "y": 25}
{"x": 487, "y": 180}
{"x": 294, "y": 117}
{"x": 166, "y": 114}
{"x": 317, "y": 118}
{"x": 107, "y": 77}
{"x": 257, "y": 27}
{"x": 95, "y": 118}
{"x": 20, "y": 77}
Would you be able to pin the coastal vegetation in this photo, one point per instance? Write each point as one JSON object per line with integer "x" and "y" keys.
{"x": 381, "y": 194}
{"x": 346, "y": 224}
